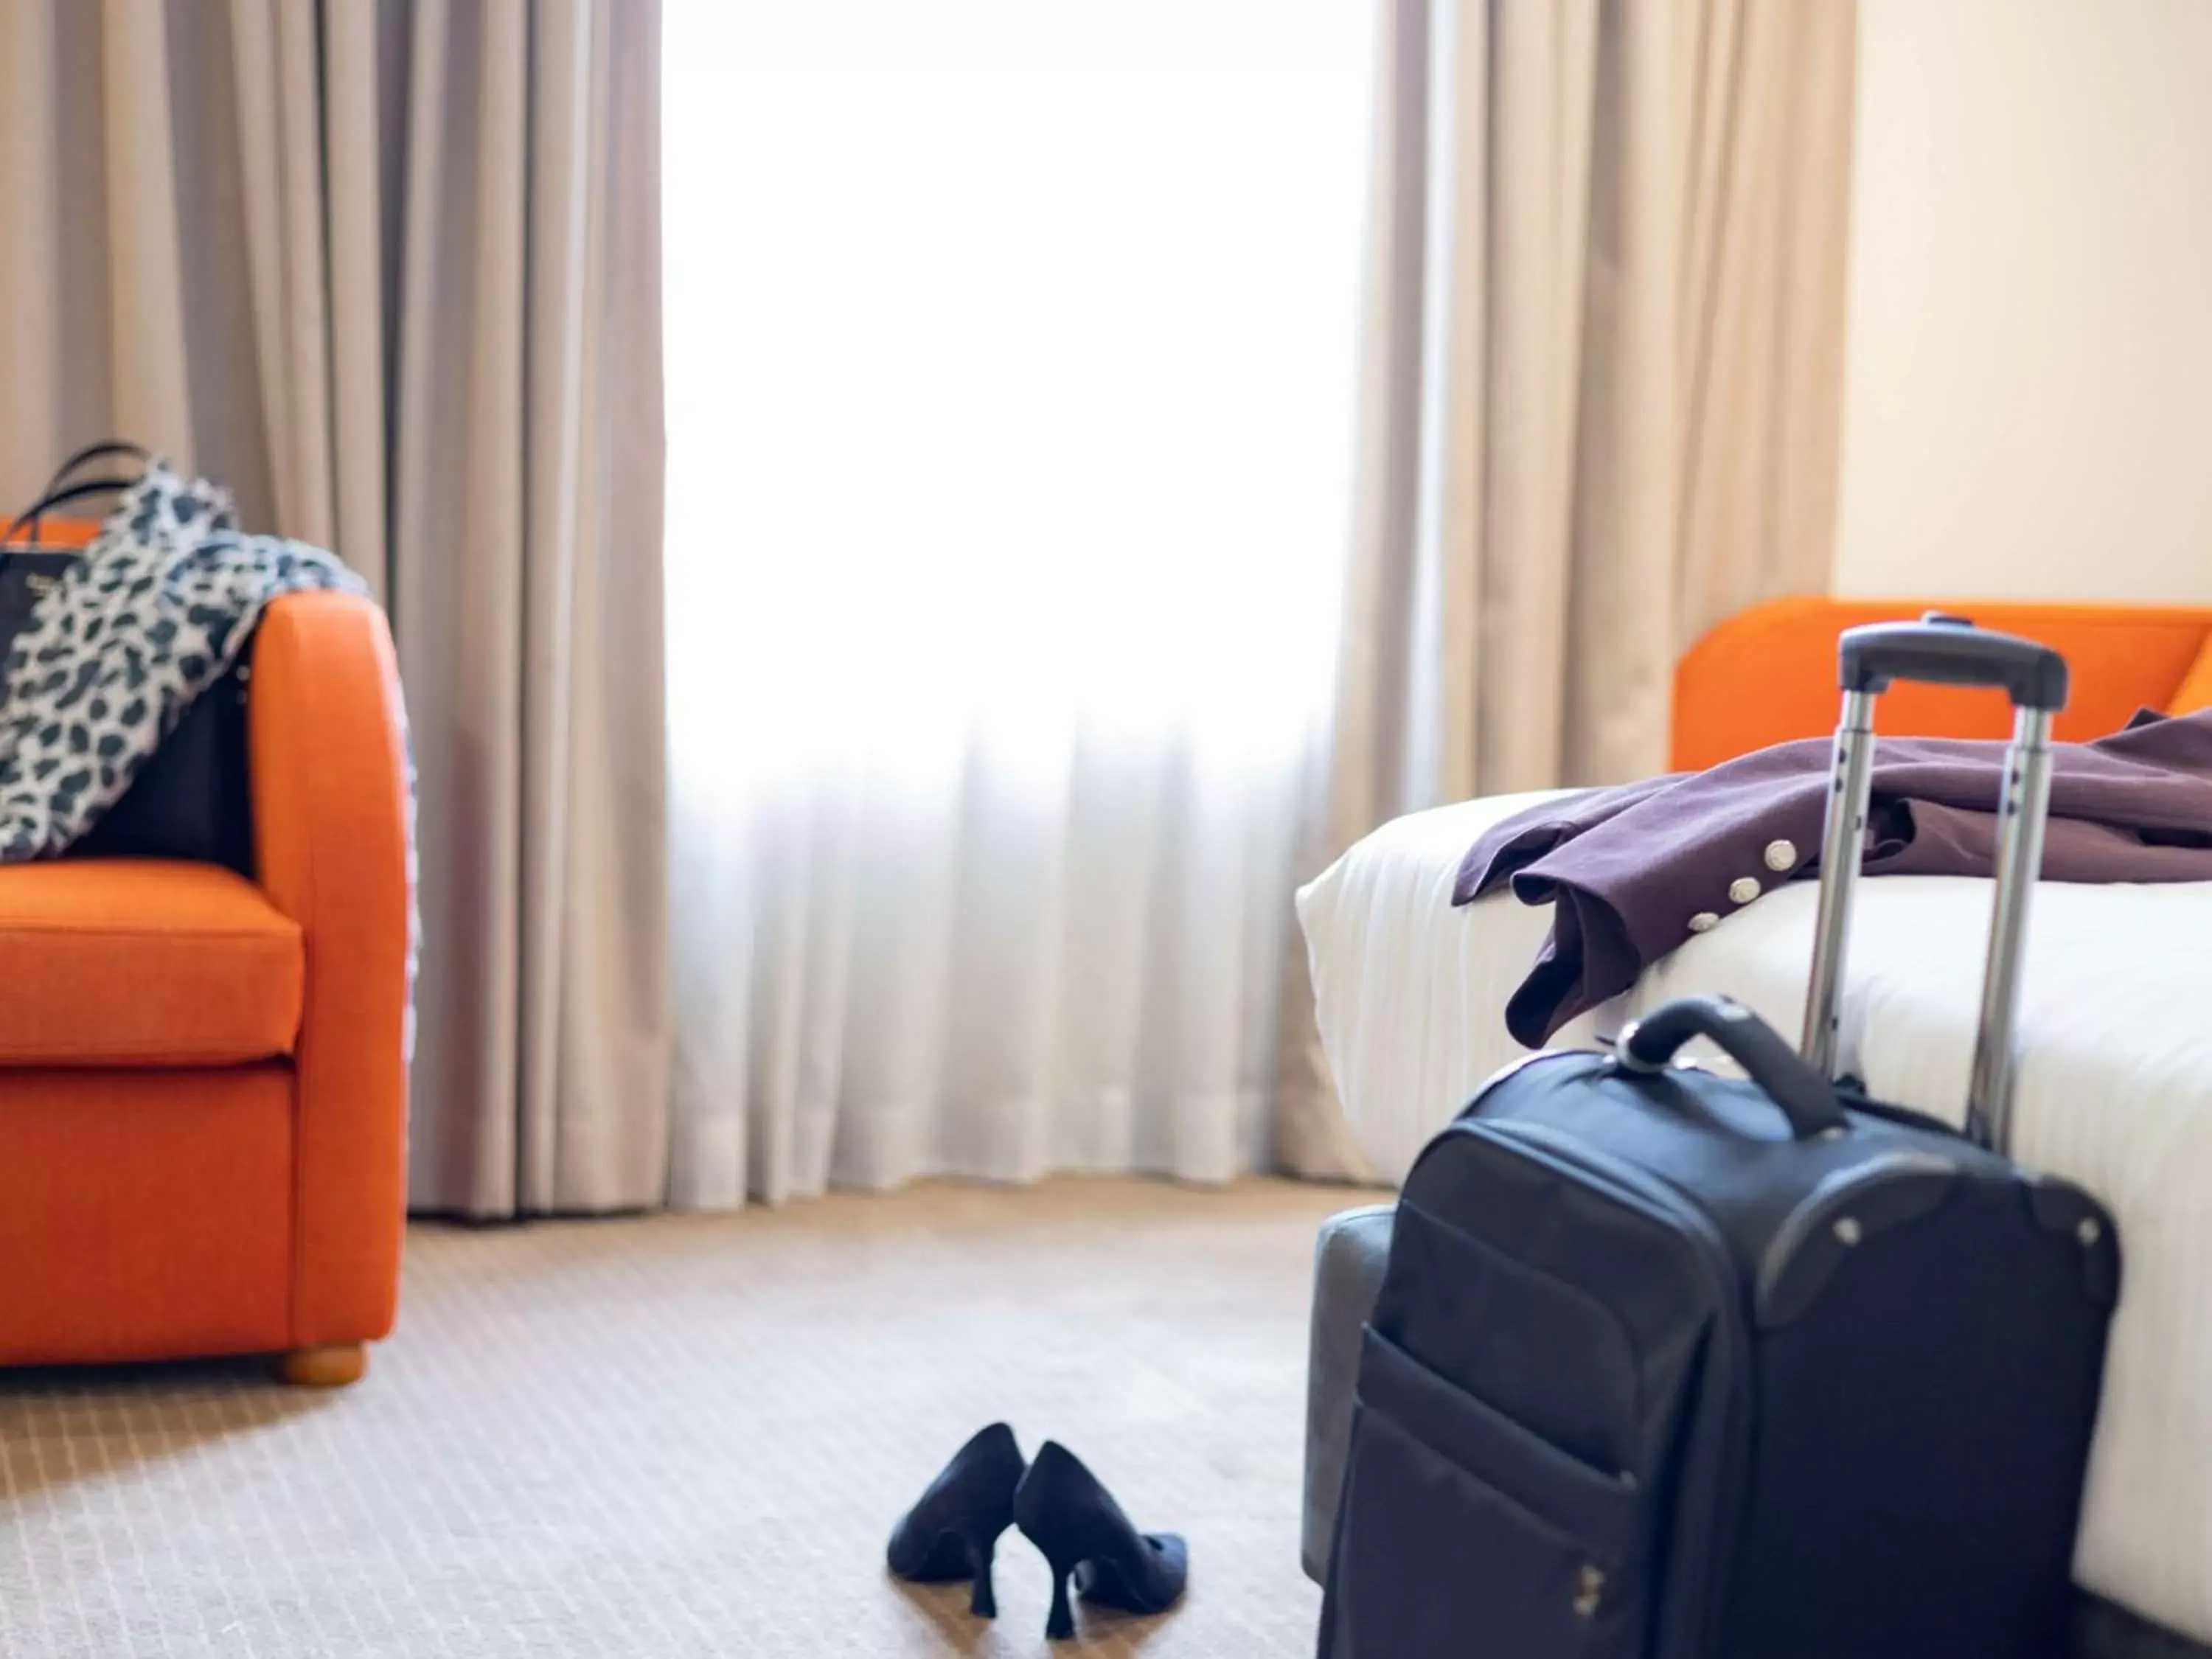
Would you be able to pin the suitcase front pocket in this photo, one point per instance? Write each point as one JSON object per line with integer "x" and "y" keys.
{"x": 1464, "y": 1536}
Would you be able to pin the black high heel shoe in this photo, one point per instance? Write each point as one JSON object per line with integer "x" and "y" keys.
{"x": 952, "y": 1531}
{"x": 1075, "y": 1522}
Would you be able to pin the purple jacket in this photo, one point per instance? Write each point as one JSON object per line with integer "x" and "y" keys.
{"x": 1632, "y": 872}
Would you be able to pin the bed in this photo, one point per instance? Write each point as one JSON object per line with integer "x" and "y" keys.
{"x": 2114, "y": 1078}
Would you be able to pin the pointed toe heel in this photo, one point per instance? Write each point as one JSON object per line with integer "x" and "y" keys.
{"x": 1091, "y": 1544}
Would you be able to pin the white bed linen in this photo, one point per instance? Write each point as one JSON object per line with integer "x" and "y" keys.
{"x": 2114, "y": 1092}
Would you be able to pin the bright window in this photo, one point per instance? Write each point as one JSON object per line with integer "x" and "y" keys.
{"x": 1010, "y": 357}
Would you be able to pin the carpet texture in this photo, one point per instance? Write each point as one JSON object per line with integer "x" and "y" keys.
{"x": 686, "y": 1437}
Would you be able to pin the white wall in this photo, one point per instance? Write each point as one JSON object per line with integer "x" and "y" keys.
{"x": 2028, "y": 385}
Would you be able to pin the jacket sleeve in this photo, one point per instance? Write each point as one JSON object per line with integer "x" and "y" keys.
{"x": 329, "y": 762}
{"x": 1512, "y": 844}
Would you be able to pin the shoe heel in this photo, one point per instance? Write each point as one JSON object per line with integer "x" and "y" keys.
{"x": 953, "y": 1532}
{"x": 1060, "y": 1623}
{"x": 983, "y": 1600}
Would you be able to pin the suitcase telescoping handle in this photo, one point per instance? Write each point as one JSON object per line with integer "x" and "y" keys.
{"x": 1948, "y": 651}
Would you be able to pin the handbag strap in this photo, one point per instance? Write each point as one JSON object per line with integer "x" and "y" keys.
{"x": 96, "y": 452}
{"x": 53, "y": 498}
{"x": 99, "y": 451}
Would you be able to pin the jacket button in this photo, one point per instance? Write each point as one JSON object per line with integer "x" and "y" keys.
{"x": 1702, "y": 920}
{"x": 1781, "y": 855}
{"x": 1743, "y": 890}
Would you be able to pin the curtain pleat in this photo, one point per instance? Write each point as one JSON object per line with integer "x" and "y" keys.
{"x": 32, "y": 415}
{"x": 280, "y": 147}
{"x": 354, "y": 139}
{"x": 146, "y": 302}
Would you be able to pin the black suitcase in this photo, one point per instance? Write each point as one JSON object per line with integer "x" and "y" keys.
{"x": 1669, "y": 1365}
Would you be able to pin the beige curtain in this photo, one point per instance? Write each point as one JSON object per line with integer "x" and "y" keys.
{"x": 1603, "y": 355}
{"x": 391, "y": 271}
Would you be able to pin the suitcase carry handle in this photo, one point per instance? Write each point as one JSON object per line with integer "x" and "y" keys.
{"x": 1940, "y": 650}
{"x": 1647, "y": 1044}
{"x": 1951, "y": 650}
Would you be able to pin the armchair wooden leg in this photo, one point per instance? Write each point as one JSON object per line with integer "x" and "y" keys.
{"x": 332, "y": 1366}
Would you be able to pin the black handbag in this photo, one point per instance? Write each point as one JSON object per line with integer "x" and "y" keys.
{"x": 192, "y": 798}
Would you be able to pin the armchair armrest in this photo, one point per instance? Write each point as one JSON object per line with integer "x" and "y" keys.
{"x": 329, "y": 784}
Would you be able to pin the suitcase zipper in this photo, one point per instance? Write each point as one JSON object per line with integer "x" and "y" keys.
{"x": 1650, "y": 1196}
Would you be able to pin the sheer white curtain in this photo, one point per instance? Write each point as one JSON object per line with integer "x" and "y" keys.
{"x": 1010, "y": 409}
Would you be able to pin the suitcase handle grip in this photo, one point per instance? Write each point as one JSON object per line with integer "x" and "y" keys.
{"x": 1942, "y": 650}
{"x": 1647, "y": 1044}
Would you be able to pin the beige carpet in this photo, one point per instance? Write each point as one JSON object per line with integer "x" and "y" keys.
{"x": 672, "y": 1437}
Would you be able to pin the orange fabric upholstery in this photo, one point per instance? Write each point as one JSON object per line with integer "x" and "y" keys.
{"x": 221, "y": 1166}
{"x": 144, "y": 1215}
{"x": 136, "y": 962}
{"x": 2195, "y": 692}
{"x": 330, "y": 769}
{"x": 1768, "y": 674}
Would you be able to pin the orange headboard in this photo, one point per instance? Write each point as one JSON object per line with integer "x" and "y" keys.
{"x": 1769, "y": 673}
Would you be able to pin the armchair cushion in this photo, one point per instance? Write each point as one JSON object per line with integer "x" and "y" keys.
{"x": 143, "y": 963}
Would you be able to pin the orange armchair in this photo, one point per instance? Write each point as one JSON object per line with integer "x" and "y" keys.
{"x": 202, "y": 1090}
